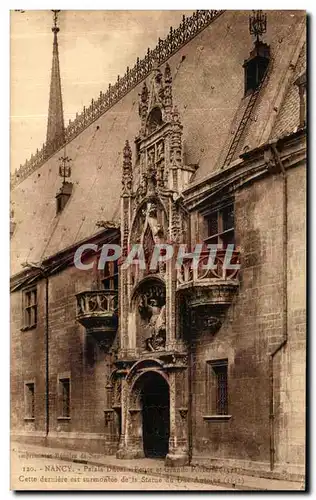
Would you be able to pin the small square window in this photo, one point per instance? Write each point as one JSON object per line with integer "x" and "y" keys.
{"x": 218, "y": 386}
{"x": 29, "y": 400}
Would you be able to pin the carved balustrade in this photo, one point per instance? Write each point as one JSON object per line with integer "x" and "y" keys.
{"x": 97, "y": 311}
{"x": 213, "y": 281}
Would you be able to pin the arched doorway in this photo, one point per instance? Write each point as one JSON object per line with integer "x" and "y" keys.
{"x": 154, "y": 399}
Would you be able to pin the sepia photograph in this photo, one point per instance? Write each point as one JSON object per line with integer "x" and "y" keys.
{"x": 158, "y": 166}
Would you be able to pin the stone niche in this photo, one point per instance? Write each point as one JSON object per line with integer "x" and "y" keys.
{"x": 149, "y": 315}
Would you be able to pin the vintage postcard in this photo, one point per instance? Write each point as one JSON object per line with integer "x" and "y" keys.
{"x": 157, "y": 225}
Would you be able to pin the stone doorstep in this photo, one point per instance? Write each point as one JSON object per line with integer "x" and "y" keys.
{"x": 150, "y": 466}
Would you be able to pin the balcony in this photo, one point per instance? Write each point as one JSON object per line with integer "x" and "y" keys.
{"x": 213, "y": 286}
{"x": 97, "y": 312}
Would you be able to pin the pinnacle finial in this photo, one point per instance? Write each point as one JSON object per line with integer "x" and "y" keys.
{"x": 257, "y": 24}
{"x": 55, "y": 28}
{"x": 55, "y": 135}
{"x": 127, "y": 154}
{"x": 64, "y": 167}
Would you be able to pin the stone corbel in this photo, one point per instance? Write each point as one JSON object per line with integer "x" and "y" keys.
{"x": 206, "y": 321}
{"x": 183, "y": 413}
{"x": 108, "y": 415}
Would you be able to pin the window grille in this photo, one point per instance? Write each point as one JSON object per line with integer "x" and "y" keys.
{"x": 218, "y": 387}
{"x": 221, "y": 386}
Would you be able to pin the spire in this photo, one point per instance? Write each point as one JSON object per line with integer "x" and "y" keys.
{"x": 55, "y": 124}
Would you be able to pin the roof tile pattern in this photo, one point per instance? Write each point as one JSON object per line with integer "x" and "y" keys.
{"x": 208, "y": 87}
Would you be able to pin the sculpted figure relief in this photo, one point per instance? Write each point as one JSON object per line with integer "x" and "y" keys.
{"x": 155, "y": 329}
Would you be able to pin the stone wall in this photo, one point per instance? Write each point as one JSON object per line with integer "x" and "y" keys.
{"x": 71, "y": 351}
{"x": 208, "y": 89}
{"x": 253, "y": 328}
{"x": 291, "y": 404}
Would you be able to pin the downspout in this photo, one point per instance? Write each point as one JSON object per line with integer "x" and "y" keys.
{"x": 190, "y": 359}
{"x": 43, "y": 272}
{"x": 46, "y": 355}
{"x": 283, "y": 342}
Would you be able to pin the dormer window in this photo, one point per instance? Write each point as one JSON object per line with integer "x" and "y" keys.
{"x": 64, "y": 193}
{"x": 301, "y": 84}
{"x": 63, "y": 196}
{"x": 12, "y": 223}
{"x": 154, "y": 120}
{"x": 256, "y": 66}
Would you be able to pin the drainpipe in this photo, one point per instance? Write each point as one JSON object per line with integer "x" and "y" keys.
{"x": 190, "y": 364}
{"x": 44, "y": 273}
{"x": 283, "y": 342}
{"x": 46, "y": 355}
{"x": 190, "y": 359}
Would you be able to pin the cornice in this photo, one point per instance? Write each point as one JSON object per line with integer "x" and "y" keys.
{"x": 188, "y": 29}
{"x": 60, "y": 260}
{"x": 250, "y": 167}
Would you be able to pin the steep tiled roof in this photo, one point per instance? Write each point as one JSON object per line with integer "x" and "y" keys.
{"x": 288, "y": 117}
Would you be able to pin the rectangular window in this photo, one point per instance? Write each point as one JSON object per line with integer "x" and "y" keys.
{"x": 30, "y": 308}
{"x": 64, "y": 397}
{"x": 110, "y": 276}
{"x": 218, "y": 386}
{"x": 29, "y": 399}
{"x": 220, "y": 227}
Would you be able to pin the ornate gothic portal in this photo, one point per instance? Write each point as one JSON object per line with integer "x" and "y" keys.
{"x": 152, "y": 370}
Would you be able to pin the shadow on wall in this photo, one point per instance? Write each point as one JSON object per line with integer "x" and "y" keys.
{"x": 90, "y": 354}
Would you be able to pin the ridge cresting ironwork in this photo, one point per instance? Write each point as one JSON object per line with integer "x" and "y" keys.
{"x": 177, "y": 38}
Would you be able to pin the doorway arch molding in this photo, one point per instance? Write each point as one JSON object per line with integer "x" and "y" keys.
{"x": 132, "y": 440}
{"x": 136, "y": 385}
{"x": 148, "y": 364}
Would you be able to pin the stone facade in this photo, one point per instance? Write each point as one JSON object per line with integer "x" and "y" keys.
{"x": 216, "y": 360}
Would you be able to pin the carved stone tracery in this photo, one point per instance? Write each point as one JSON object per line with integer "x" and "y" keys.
{"x": 153, "y": 312}
{"x": 152, "y": 213}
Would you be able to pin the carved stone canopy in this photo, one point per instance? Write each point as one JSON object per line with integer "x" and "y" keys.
{"x": 155, "y": 102}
